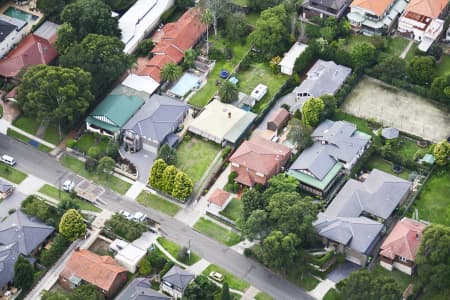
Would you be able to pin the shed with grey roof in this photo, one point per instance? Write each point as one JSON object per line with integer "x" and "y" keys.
{"x": 140, "y": 289}
{"x": 175, "y": 281}
{"x": 390, "y": 133}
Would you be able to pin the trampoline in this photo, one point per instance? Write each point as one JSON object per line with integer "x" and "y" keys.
{"x": 234, "y": 80}
{"x": 224, "y": 74}
{"x": 185, "y": 84}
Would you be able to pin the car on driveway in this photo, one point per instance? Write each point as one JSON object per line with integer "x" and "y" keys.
{"x": 216, "y": 276}
{"x": 139, "y": 217}
{"x": 126, "y": 214}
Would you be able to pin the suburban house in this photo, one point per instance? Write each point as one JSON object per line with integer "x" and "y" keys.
{"x": 222, "y": 123}
{"x": 175, "y": 281}
{"x": 337, "y": 147}
{"x": 400, "y": 247}
{"x": 354, "y": 221}
{"x": 288, "y": 62}
{"x": 324, "y": 78}
{"x": 115, "y": 110}
{"x": 218, "y": 200}
{"x": 278, "y": 120}
{"x": 257, "y": 160}
{"x": 103, "y": 272}
{"x": 140, "y": 289}
{"x": 423, "y": 21}
{"x": 19, "y": 235}
{"x": 12, "y": 31}
{"x": 375, "y": 16}
{"x": 154, "y": 124}
{"x": 37, "y": 48}
{"x": 325, "y": 8}
{"x": 6, "y": 189}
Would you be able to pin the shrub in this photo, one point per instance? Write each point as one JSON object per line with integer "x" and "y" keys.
{"x": 157, "y": 260}
{"x": 11, "y": 211}
{"x": 225, "y": 152}
{"x": 232, "y": 176}
{"x": 127, "y": 229}
{"x": 90, "y": 164}
{"x": 70, "y": 143}
{"x": 145, "y": 267}
{"x": 182, "y": 254}
{"x": 48, "y": 257}
{"x": 166, "y": 268}
{"x": 34, "y": 206}
{"x": 95, "y": 152}
{"x": 248, "y": 252}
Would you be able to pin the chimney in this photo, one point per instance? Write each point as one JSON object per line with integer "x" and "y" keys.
{"x": 417, "y": 236}
{"x": 229, "y": 115}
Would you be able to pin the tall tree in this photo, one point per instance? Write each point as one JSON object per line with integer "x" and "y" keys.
{"x": 55, "y": 94}
{"x": 86, "y": 292}
{"x": 189, "y": 58}
{"x": 168, "y": 154}
{"x": 72, "y": 225}
{"x": 219, "y": 9}
{"x": 23, "y": 273}
{"x": 421, "y": 70}
{"x": 279, "y": 251}
{"x": 182, "y": 187}
{"x": 441, "y": 153}
{"x": 105, "y": 165}
{"x": 280, "y": 183}
{"x": 207, "y": 18}
{"x": 168, "y": 177}
{"x": 236, "y": 27}
{"x": 170, "y": 72}
{"x": 200, "y": 288}
{"x": 228, "y": 91}
{"x": 312, "y": 111}
{"x": 156, "y": 174}
{"x": 440, "y": 88}
{"x": 251, "y": 200}
{"x": 225, "y": 294}
{"x": 66, "y": 38}
{"x": 257, "y": 225}
{"x": 119, "y": 5}
{"x": 363, "y": 55}
{"x": 330, "y": 106}
{"x": 51, "y": 8}
{"x": 100, "y": 55}
{"x": 392, "y": 67}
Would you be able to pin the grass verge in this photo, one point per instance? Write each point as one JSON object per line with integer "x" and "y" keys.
{"x": 263, "y": 296}
{"x": 217, "y": 232}
{"x": 53, "y": 192}
{"x": 27, "y": 124}
{"x": 234, "y": 282}
{"x": 158, "y": 203}
{"x": 11, "y": 174}
{"x": 174, "y": 249}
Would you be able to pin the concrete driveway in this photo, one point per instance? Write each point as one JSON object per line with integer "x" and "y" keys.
{"x": 143, "y": 160}
{"x": 13, "y": 201}
{"x": 343, "y": 271}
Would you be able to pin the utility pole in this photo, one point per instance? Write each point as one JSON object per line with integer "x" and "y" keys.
{"x": 189, "y": 250}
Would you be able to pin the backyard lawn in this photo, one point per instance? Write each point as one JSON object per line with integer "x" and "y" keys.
{"x": 377, "y": 162}
{"x": 158, "y": 203}
{"x": 106, "y": 180}
{"x": 401, "y": 278}
{"x": 233, "y": 211}
{"x": 409, "y": 147}
{"x": 174, "y": 249}
{"x": 53, "y": 192}
{"x": 11, "y": 174}
{"x": 217, "y": 232}
{"x": 433, "y": 203}
{"x": 444, "y": 65}
{"x": 194, "y": 156}
{"x": 396, "y": 45}
{"x": 233, "y": 282}
{"x": 412, "y": 52}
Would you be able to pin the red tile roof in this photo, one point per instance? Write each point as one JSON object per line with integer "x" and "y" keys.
{"x": 376, "y": 6}
{"x": 429, "y": 8}
{"x": 32, "y": 50}
{"x": 280, "y": 117}
{"x": 404, "y": 240}
{"x": 97, "y": 270}
{"x": 219, "y": 197}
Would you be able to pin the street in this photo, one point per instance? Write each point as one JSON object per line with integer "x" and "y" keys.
{"x": 45, "y": 167}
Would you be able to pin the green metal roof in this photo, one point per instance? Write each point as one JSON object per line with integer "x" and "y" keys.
{"x": 113, "y": 112}
{"x": 311, "y": 181}
{"x": 240, "y": 127}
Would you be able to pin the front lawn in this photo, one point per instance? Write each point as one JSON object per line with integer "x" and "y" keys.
{"x": 12, "y": 174}
{"x": 174, "y": 249}
{"x": 433, "y": 203}
{"x": 233, "y": 211}
{"x": 107, "y": 180}
{"x": 217, "y": 232}
{"x": 377, "y": 162}
{"x": 51, "y": 135}
{"x": 53, "y": 192}
{"x": 396, "y": 45}
{"x": 194, "y": 156}
{"x": 158, "y": 203}
{"x": 444, "y": 65}
{"x": 88, "y": 140}
{"x": 234, "y": 282}
{"x": 30, "y": 125}
{"x": 401, "y": 278}
{"x": 263, "y": 296}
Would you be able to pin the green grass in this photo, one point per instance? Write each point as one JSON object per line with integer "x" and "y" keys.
{"x": 252, "y": 18}
{"x": 44, "y": 148}
{"x": 263, "y": 296}
{"x": 401, "y": 278}
{"x": 51, "y": 135}
{"x": 308, "y": 282}
{"x": 433, "y": 202}
{"x": 233, "y": 211}
{"x": 412, "y": 52}
{"x": 332, "y": 294}
{"x": 12, "y": 133}
{"x": 174, "y": 249}
{"x": 361, "y": 124}
{"x": 233, "y": 282}
{"x": 53, "y": 192}
{"x": 217, "y": 232}
{"x": 88, "y": 140}
{"x": 243, "y": 3}
{"x": 408, "y": 148}
{"x": 354, "y": 39}
{"x": 110, "y": 181}
{"x": 27, "y": 124}
{"x": 377, "y": 162}
{"x": 436, "y": 295}
{"x": 194, "y": 157}
{"x": 444, "y": 65}
{"x": 260, "y": 73}
{"x": 158, "y": 203}
{"x": 11, "y": 174}
{"x": 396, "y": 45}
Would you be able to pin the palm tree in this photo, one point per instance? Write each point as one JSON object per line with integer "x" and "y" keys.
{"x": 207, "y": 19}
{"x": 227, "y": 91}
{"x": 170, "y": 72}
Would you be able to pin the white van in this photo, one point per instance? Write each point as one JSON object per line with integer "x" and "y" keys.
{"x": 9, "y": 160}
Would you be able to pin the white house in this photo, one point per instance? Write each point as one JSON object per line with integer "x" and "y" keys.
{"x": 12, "y": 31}
{"x": 288, "y": 61}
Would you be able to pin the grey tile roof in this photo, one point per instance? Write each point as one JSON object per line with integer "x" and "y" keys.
{"x": 178, "y": 277}
{"x": 5, "y": 29}
{"x": 157, "y": 118}
{"x": 390, "y": 133}
{"x": 315, "y": 160}
{"x": 8, "y": 257}
{"x": 140, "y": 289}
{"x": 47, "y": 30}
{"x": 334, "y": 4}
{"x": 4, "y": 186}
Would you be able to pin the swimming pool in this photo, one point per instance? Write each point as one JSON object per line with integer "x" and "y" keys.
{"x": 20, "y": 14}
{"x": 185, "y": 84}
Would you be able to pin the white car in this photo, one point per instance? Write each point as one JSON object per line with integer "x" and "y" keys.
{"x": 9, "y": 160}
{"x": 68, "y": 185}
{"x": 126, "y": 214}
{"x": 139, "y": 217}
{"x": 216, "y": 276}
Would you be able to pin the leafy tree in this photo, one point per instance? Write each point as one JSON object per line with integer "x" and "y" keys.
{"x": 112, "y": 149}
{"x": 184, "y": 4}
{"x": 441, "y": 153}
{"x": 228, "y": 91}
{"x": 330, "y": 106}
{"x": 127, "y": 229}
{"x": 67, "y": 203}
{"x": 279, "y": 251}
{"x": 144, "y": 48}
{"x": 50, "y": 256}
{"x": 105, "y": 165}
{"x": 171, "y": 72}
{"x": 55, "y": 94}
{"x": 257, "y": 225}
{"x": 189, "y": 58}
{"x": 72, "y": 225}
{"x": 86, "y": 292}
{"x": 312, "y": 111}
{"x": 144, "y": 267}
{"x": 421, "y": 69}
{"x": 392, "y": 67}
{"x": 182, "y": 187}
{"x": 440, "y": 88}
{"x": 200, "y": 288}
{"x": 301, "y": 135}
{"x": 51, "y": 7}
{"x": 218, "y": 9}
{"x": 259, "y": 5}
{"x": 156, "y": 174}
{"x": 433, "y": 258}
{"x": 47, "y": 295}
{"x": 100, "y": 55}
{"x": 251, "y": 200}
{"x": 119, "y": 5}
{"x": 272, "y": 33}
{"x": 168, "y": 154}
{"x": 23, "y": 273}
{"x": 207, "y": 19}
{"x": 280, "y": 183}
{"x": 225, "y": 294}
{"x": 66, "y": 38}
{"x": 34, "y": 206}
{"x": 168, "y": 178}
{"x": 363, "y": 55}
{"x": 236, "y": 27}
{"x": 363, "y": 285}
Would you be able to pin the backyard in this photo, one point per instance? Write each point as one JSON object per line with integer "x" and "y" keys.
{"x": 174, "y": 249}
{"x": 401, "y": 278}
{"x": 379, "y": 163}
{"x": 53, "y": 192}
{"x": 217, "y": 232}
{"x": 233, "y": 282}
{"x": 195, "y": 155}
{"x": 158, "y": 203}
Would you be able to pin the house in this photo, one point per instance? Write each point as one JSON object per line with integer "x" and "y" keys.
{"x": 6, "y": 189}
{"x": 222, "y": 123}
{"x": 288, "y": 62}
{"x": 37, "y": 48}
{"x": 423, "y": 21}
{"x": 399, "y": 249}
{"x": 354, "y": 221}
{"x": 337, "y": 147}
{"x": 218, "y": 200}
{"x": 139, "y": 20}
{"x": 324, "y": 78}
{"x": 278, "y": 120}
{"x": 175, "y": 281}
{"x": 375, "y": 16}
{"x": 325, "y": 8}
{"x": 257, "y": 160}
{"x": 12, "y": 31}
{"x": 115, "y": 110}
{"x": 85, "y": 266}
{"x": 140, "y": 289}
{"x": 390, "y": 133}
{"x": 19, "y": 235}
{"x": 154, "y": 124}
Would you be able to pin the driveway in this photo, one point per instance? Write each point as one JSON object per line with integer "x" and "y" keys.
{"x": 343, "y": 271}
{"x": 288, "y": 99}
{"x": 143, "y": 160}
{"x": 13, "y": 201}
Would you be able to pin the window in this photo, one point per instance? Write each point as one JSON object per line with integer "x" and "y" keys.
{"x": 402, "y": 259}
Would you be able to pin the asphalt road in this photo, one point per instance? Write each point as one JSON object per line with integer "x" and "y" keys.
{"x": 42, "y": 165}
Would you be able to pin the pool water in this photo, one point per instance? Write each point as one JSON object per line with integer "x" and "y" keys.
{"x": 185, "y": 84}
{"x": 20, "y": 14}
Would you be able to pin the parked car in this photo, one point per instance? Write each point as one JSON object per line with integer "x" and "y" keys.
{"x": 68, "y": 185}
{"x": 216, "y": 276}
{"x": 126, "y": 214}
{"x": 139, "y": 217}
{"x": 9, "y": 160}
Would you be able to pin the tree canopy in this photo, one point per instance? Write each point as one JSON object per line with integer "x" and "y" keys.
{"x": 312, "y": 111}
{"x": 279, "y": 250}
{"x": 228, "y": 91}
{"x": 440, "y": 88}
{"x": 72, "y": 225}
{"x": 156, "y": 174}
{"x": 86, "y": 292}
{"x": 168, "y": 154}
{"x": 441, "y": 153}
{"x": 171, "y": 72}
{"x": 23, "y": 273}
{"x": 200, "y": 288}
{"x": 363, "y": 55}
{"x": 421, "y": 69}
{"x": 182, "y": 186}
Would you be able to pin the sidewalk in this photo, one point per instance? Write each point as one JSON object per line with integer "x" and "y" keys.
{"x": 135, "y": 189}
{"x": 30, "y": 185}
{"x": 322, "y": 288}
{"x": 30, "y": 136}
